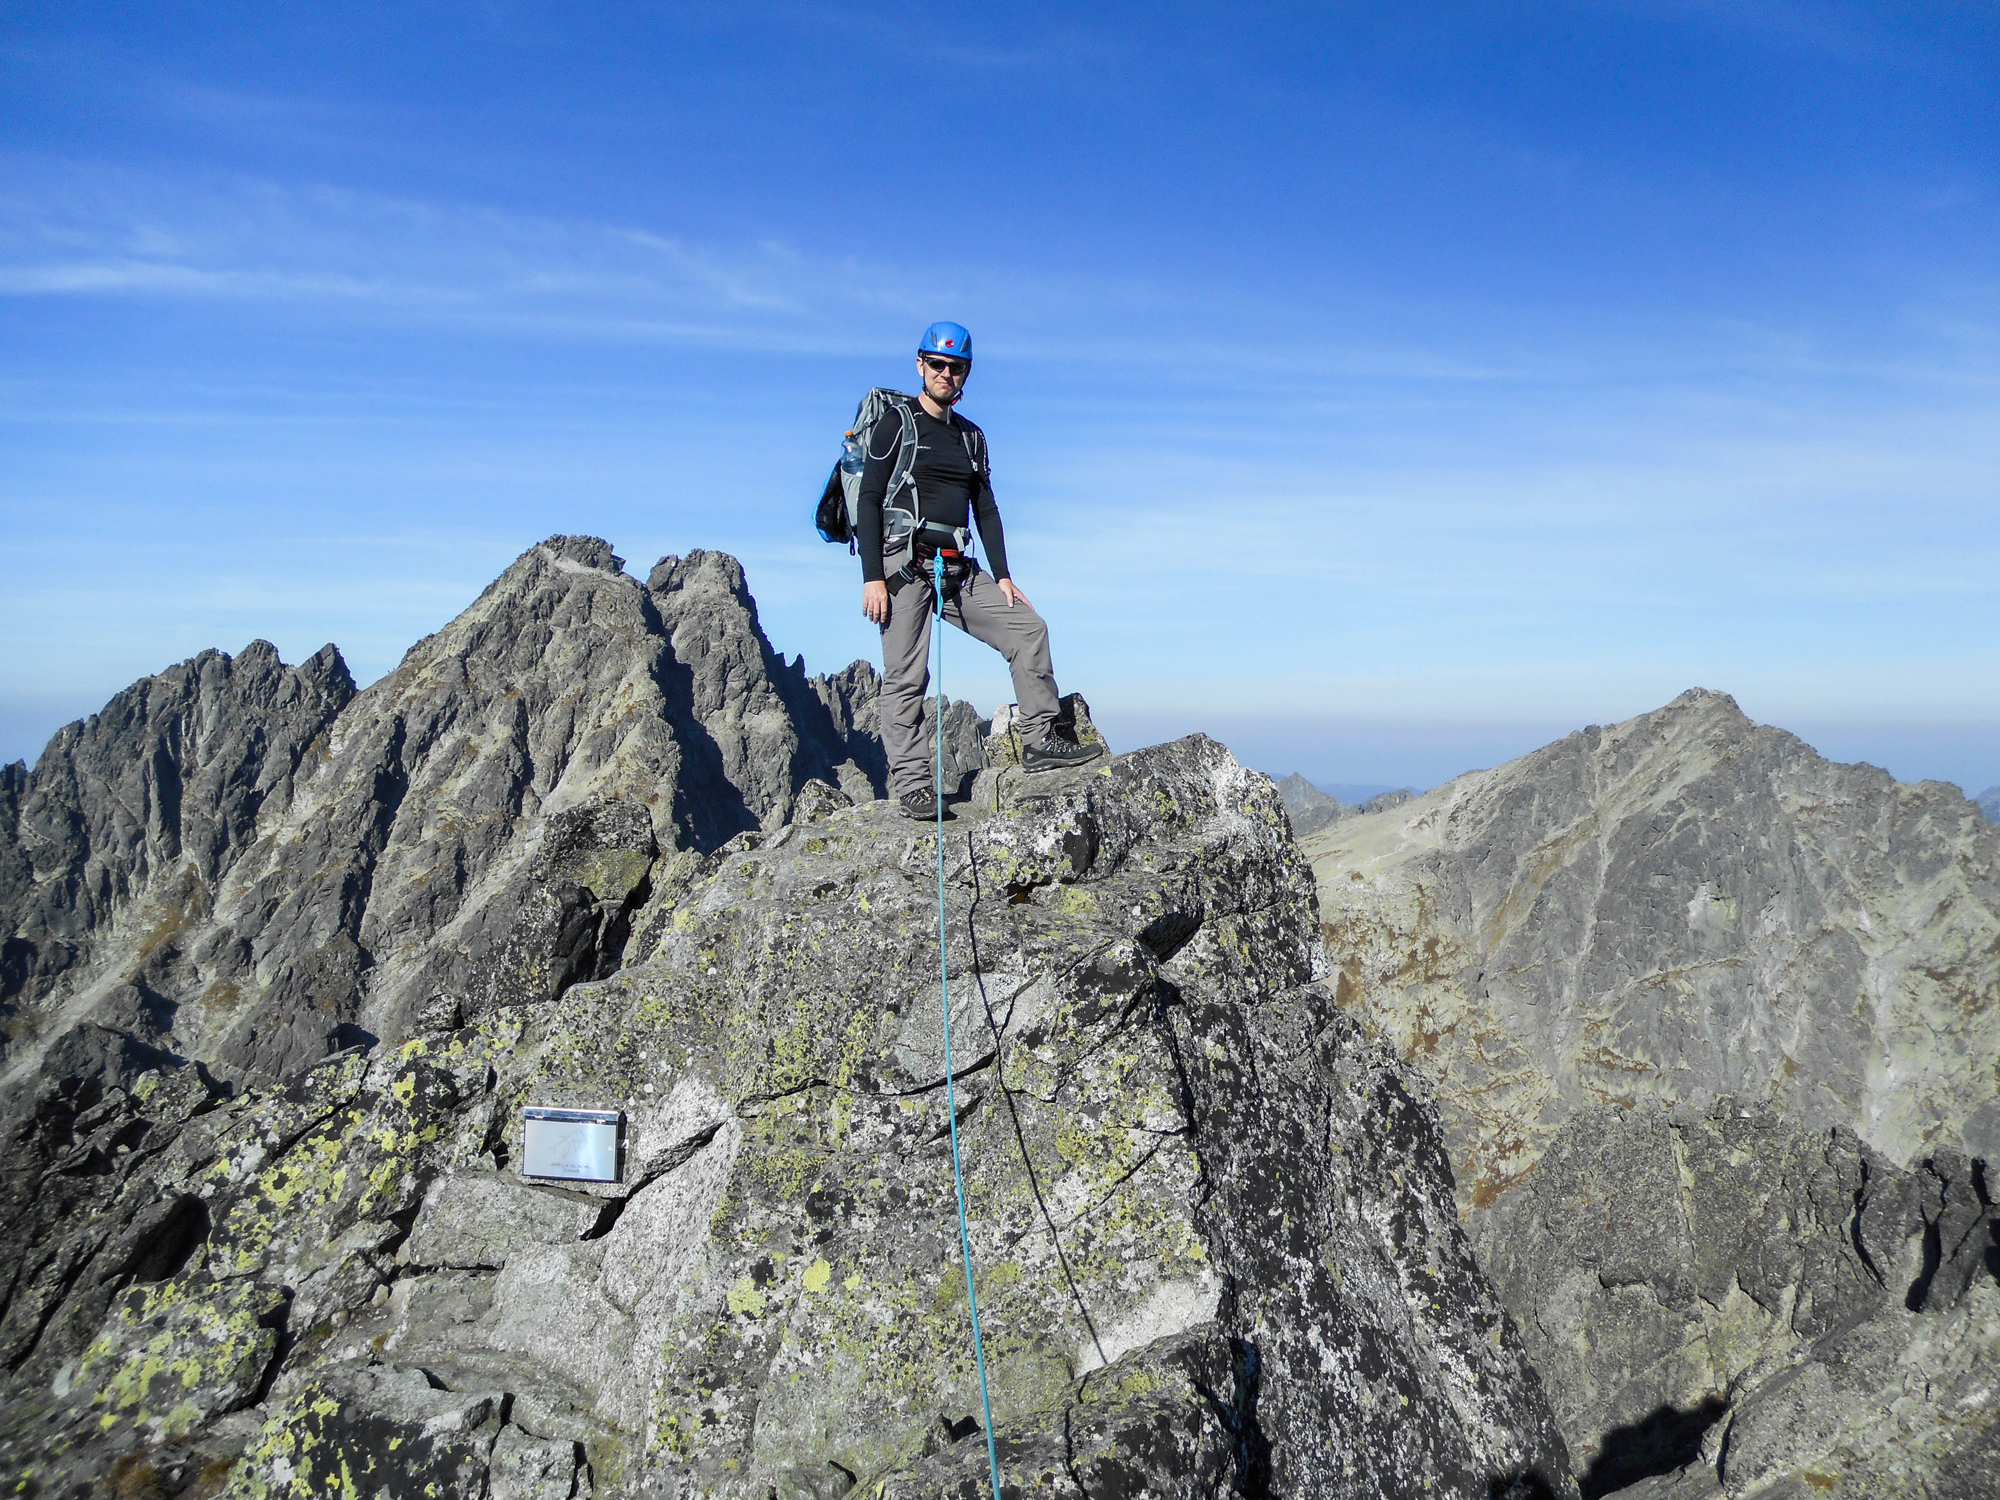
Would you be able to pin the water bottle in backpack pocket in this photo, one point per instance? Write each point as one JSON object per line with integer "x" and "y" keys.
{"x": 839, "y": 502}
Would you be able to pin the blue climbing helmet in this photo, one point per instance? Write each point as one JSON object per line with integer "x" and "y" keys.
{"x": 949, "y": 339}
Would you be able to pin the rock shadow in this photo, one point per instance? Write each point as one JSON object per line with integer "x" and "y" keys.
{"x": 1658, "y": 1443}
{"x": 347, "y": 1036}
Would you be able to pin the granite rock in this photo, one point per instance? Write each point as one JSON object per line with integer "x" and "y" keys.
{"x": 249, "y": 865}
{"x": 1002, "y": 738}
{"x": 381, "y": 1431}
{"x": 1710, "y": 1026}
{"x": 481, "y": 1222}
{"x": 89, "y": 1217}
{"x": 1213, "y": 1227}
{"x": 525, "y": 1467}
{"x": 1682, "y": 907}
{"x": 1676, "y": 1271}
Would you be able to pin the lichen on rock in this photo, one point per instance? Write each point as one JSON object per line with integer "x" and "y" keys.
{"x": 1212, "y": 1231}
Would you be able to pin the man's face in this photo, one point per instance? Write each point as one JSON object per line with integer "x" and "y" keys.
{"x": 943, "y": 378}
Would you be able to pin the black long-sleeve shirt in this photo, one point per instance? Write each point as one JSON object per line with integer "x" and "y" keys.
{"x": 950, "y": 490}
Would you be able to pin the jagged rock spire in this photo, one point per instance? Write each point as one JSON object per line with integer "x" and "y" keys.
{"x": 249, "y": 862}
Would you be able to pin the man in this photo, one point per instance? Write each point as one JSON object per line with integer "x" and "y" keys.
{"x": 949, "y": 486}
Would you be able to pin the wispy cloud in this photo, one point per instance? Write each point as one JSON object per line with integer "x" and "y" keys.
{"x": 79, "y": 230}
{"x": 84, "y": 230}
{"x": 1410, "y": 509}
{"x": 107, "y": 275}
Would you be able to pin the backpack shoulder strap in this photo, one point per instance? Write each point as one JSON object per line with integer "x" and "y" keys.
{"x": 975, "y": 448}
{"x": 906, "y": 450}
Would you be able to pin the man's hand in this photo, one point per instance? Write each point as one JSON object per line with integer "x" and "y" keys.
{"x": 875, "y": 602}
{"x": 1013, "y": 595}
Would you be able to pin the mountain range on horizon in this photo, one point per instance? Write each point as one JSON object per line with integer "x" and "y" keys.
{"x": 1303, "y": 796}
{"x": 1611, "y": 1121}
{"x": 139, "y": 881}
{"x": 1314, "y": 801}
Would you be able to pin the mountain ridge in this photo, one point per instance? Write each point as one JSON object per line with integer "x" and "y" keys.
{"x": 1312, "y": 807}
{"x": 1709, "y": 1021}
{"x": 597, "y": 843}
{"x": 160, "y": 877}
{"x": 1640, "y": 822}
{"x": 575, "y": 840}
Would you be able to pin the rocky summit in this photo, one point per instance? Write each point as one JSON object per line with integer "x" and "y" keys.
{"x": 238, "y": 862}
{"x": 1681, "y": 907}
{"x": 1612, "y": 1121}
{"x": 1713, "y": 1028}
{"x": 288, "y": 964}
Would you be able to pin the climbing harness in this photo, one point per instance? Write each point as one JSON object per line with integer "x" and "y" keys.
{"x": 944, "y": 990}
{"x": 930, "y": 543}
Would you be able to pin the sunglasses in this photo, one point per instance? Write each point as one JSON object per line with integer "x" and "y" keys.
{"x": 958, "y": 367}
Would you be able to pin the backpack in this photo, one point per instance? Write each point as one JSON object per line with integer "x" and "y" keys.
{"x": 836, "y": 518}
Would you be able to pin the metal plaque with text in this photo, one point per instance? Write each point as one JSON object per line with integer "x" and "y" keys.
{"x": 579, "y": 1144}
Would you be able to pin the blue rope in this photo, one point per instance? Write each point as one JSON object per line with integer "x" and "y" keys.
{"x": 944, "y": 988}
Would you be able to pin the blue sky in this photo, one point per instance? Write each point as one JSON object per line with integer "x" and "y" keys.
{"x": 1383, "y": 393}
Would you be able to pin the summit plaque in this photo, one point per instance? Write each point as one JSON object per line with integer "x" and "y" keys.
{"x": 580, "y": 1145}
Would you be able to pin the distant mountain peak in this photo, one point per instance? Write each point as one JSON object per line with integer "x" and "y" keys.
{"x": 379, "y": 846}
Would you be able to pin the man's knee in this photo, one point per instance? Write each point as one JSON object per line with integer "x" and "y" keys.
{"x": 1034, "y": 638}
{"x": 1024, "y": 634}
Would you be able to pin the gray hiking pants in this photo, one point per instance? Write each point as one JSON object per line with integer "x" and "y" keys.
{"x": 981, "y": 611}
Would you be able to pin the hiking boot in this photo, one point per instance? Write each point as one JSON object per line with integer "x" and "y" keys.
{"x": 922, "y": 805}
{"x": 1057, "y": 751}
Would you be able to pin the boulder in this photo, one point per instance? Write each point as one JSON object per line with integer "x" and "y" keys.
{"x": 1002, "y": 748}
{"x": 476, "y": 1222}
